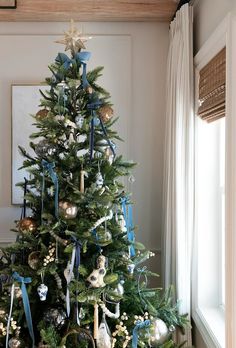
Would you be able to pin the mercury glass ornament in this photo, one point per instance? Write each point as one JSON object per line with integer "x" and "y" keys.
{"x": 103, "y": 236}
{"x": 55, "y": 317}
{"x": 27, "y": 225}
{"x": 33, "y": 260}
{"x": 15, "y": 342}
{"x": 99, "y": 180}
{"x": 68, "y": 210}
{"x": 105, "y": 112}
{"x": 44, "y": 148}
{"x": 159, "y": 332}
{"x": 62, "y": 86}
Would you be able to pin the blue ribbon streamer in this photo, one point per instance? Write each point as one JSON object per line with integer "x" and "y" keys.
{"x": 26, "y": 303}
{"x": 128, "y": 216}
{"x": 49, "y": 167}
{"x": 140, "y": 325}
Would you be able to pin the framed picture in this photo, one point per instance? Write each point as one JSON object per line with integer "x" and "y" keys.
{"x": 25, "y": 103}
{"x": 7, "y": 4}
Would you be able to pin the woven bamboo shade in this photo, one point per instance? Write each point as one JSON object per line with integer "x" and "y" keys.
{"x": 212, "y": 88}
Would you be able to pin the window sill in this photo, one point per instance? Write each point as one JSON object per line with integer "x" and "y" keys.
{"x": 211, "y": 324}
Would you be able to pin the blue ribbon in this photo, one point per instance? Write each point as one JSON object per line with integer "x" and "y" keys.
{"x": 26, "y": 303}
{"x": 92, "y": 106}
{"x": 108, "y": 140}
{"x": 140, "y": 325}
{"x": 80, "y": 57}
{"x": 49, "y": 167}
{"x": 128, "y": 216}
{"x": 83, "y": 57}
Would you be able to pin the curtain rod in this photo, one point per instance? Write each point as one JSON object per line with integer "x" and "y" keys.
{"x": 181, "y": 3}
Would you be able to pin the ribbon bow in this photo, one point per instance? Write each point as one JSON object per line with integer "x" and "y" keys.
{"x": 128, "y": 216}
{"x": 139, "y": 325}
{"x": 26, "y": 305}
{"x": 49, "y": 167}
{"x": 80, "y": 57}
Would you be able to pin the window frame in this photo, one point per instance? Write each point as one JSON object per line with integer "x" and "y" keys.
{"x": 224, "y": 35}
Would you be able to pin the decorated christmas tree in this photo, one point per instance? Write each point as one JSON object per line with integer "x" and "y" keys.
{"x": 76, "y": 277}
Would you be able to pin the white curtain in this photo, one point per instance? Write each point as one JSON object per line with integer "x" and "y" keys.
{"x": 178, "y": 172}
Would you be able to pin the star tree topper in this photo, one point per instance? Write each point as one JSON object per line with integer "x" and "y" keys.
{"x": 73, "y": 39}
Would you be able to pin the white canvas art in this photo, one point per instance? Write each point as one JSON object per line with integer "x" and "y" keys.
{"x": 25, "y": 102}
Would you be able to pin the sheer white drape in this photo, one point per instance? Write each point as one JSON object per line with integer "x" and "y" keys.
{"x": 178, "y": 172}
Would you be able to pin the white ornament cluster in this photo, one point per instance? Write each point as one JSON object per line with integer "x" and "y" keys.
{"x": 121, "y": 331}
{"x": 13, "y": 328}
{"x": 138, "y": 318}
{"x": 51, "y": 254}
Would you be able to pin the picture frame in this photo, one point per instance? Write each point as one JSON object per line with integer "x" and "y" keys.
{"x": 8, "y": 4}
{"x": 25, "y": 103}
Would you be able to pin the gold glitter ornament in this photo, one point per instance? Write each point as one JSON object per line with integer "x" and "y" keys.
{"x": 27, "y": 225}
{"x": 105, "y": 113}
{"x": 41, "y": 114}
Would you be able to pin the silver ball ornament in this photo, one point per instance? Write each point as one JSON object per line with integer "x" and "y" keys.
{"x": 15, "y": 343}
{"x": 44, "y": 148}
{"x": 55, "y": 317}
{"x": 159, "y": 332}
{"x": 68, "y": 210}
{"x": 79, "y": 120}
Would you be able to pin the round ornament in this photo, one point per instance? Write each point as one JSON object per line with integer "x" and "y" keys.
{"x": 41, "y": 114}
{"x": 89, "y": 90}
{"x": 27, "y": 225}
{"x": 44, "y": 148}
{"x": 159, "y": 332}
{"x": 67, "y": 210}
{"x": 33, "y": 260}
{"x": 105, "y": 112}
{"x": 103, "y": 236}
{"x": 15, "y": 343}
{"x": 62, "y": 86}
{"x": 55, "y": 317}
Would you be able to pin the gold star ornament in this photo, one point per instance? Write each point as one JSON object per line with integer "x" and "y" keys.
{"x": 73, "y": 40}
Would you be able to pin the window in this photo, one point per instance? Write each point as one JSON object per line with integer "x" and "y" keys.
{"x": 210, "y": 149}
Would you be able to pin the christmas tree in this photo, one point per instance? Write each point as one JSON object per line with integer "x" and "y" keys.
{"x": 75, "y": 275}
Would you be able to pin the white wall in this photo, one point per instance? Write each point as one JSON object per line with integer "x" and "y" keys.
{"x": 207, "y": 15}
{"x": 27, "y": 49}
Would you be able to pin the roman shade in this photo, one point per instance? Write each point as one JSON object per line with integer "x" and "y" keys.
{"x": 212, "y": 88}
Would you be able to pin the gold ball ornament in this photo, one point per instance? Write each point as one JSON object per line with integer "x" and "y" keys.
{"x": 41, "y": 114}
{"x": 33, "y": 260}
{"x": 105, "y": 113}
{"x": 27, "y": 225}
{"x": 67, "y": 210}
{"x": 89, "y": 90}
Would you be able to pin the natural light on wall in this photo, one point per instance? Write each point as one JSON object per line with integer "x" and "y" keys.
{"x": 210, "y": 226}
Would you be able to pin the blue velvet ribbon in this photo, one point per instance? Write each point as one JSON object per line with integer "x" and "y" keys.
{"x": 92, "y": 106}
{"x": 49, "y": 168}
{"x": 77, "y": 246}
{"x": 80, "y": 57}
{"x": 128, "y": 216}
{"x": 26, "y": 303}
{"x": 139, "y": 325}
{"x": 108, "y": 140}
